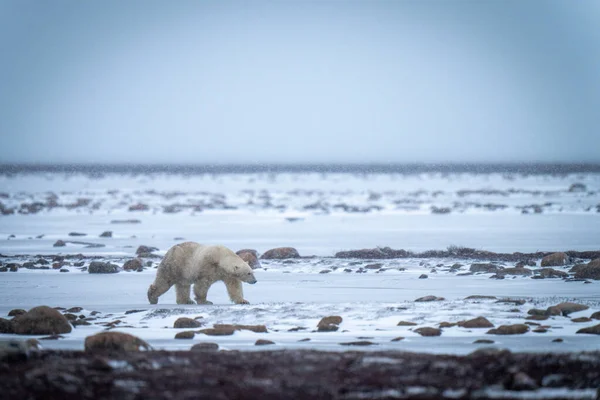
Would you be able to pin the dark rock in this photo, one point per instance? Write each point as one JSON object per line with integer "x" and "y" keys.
{"x": 479, "y": 322}
{"x": 63, "y": 270}
{"x": 540, "y": 330}
{"x": 183, "y": 323}
{"x": 325, "y": 271}
{"x": 185, "y": 335}
{"x": 205, "y": 346}
{"x": 106, "y": 234}
{"x": 517, "y": 302}
{"x": 397, "y": 339}
{"x": 577, "y": 187}
{"x": 358, "y": 343}
{"x": 139, "y": 207}
{"x": 329, "y": 324}
{"x": 581, "y": 319}
{"x": 3, "y": 269}
{"x": 440, "y": 210}
{"x": 59, "y": 243}
{"x": 516, "y": 329}
{"x": 429, "y": 298}
{"x": 446, "y": 324}
{"x": 525, "y": 263}
{"x": 589, "y": 271}
{"x": 427, "y": 331}
{"x": 516, "y": 271}
{"x": 484, "y": 341}
{"x": 551, "y": 273}
{"x": 263, "y": 342}
{"x": 70, "y": 317}
{"x": 77, "y": 234}
{"x": 135, "y": 264}
{"x": 238, "y": 327}
{"x": 555, "y": 260}
{"x": 52, "y": 337}
{"x": 80, "y": 322}
{"x": 591, "y": 330}
{"x": 485, "y": 268}
{"x": 406, "y": 323}
{"x": 6, "y": 326}
{"x": 98, "y": 267}
{"x": 133, "y": 311}
{"x": 280, "y": 253}
{"x": 145, "y": 249}
{"x": 16, "y": 311}
{"x": 480, "y": 297}
{"x": 250, "y": 256}
{"x": 497, "y": 276}
{"x": 115, "y": 341}
{"x": 74, "y": 309}
{"x": 423, "y": 276}
{"x": 377, "y": 253}
{"x": 558, "y": 340}
{"x": 12, "y": 267}
{"x": 595, "y": 315}
{"x": 41, "y": 320}
{"x": 537, "y": 317}
{"x": 373, "y": 266}
{"x": 566, "y": 308}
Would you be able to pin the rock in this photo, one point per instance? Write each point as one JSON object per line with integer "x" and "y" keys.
{"x": 125, "y": 221}
{"x": 483, "y": 341}
{"x": 115, "y": 341}
{"x": 139, "y": 207}
{"x": 521, "y": 381}
{"x": 540, "y": 330}
{"x": 70, "y": 317}
{"x": 98, "y": 267}
{"x": 59, "y": 243}
{"x": 77, "y": 234}
{"x": 516, "y": 329}
{"x": 16, "y": 311}
{"x": 13, "y": 267}
{"x": 74, "y": 309}
{"x": 217, "y": 332}
{"x": 595, "y": 315}
{"x": 280, "y": 253}
{"x": 250, "y": 256}
{"x": 537, "y": 317}
{"x": 325, "y": 271}
{"x": 479, "y": 322}
{"x": 397, "y": 339}
{"x": 406, "y": 323}
{"x": 5, "y": 325}
{"x": 577, "y": 187}
{"x": 135, "y": 311}
{"x": 184, "y": 323}
{"x": 517, "y": 302}
{"x": 3, "y": 269}
{"x": 263, "y": 342}
{"x": 205, "y": 346}
{"x": 558, "y": 340}
{"x": 581, "y": 319}
{"x": 423, "y": 276}
{"x": 516, "y": 271}
{"x": 373, "y": 266}
{"x": 525, "y": 263}
{"x": 446, "y": 324}
{"x": 565, "y": 308}
{"x": 135, "y": 264}
{"x": 485, "y": 268}
{"x": 358, "y": 343}
{"x": 63, "y": 270}
{"x": 551, "y": 273}
{"x": 80, "y": 322}
{"x": 427, "y": 331}
{"x": 329, "y": 324}
{"x": 591, "y": 330}
{"x": 106, "y": 234}
{"x": 145, "y": 249}
{"x": 497, "y": 276}
{"x": 555, "y": 260}
{"x": 440, "y": 210}
{"x": 589, "y": 271}
{"x": 185, "y": 335}
{"x": 41, "y": 320}
{"x": 429, "y": 298}
{"x": 52, "y": 337}
{"x": 480, "y": 297}
{"x": 237, "y": 327}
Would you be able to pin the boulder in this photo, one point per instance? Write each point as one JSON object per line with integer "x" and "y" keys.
{"x": 145, "y": 249}
{"x": 397, "y": 339}
{"x": 581, "y": 319}
{"x": 263, "y": 342}
{"x": 429, "y": 298}
{"x": 41, "y": 320}
{"x": 423, "y": 276}
{"x": 358, "y": 343}
{"x": 591, "y": 330}
{"x": 590, "y": 270}
{"x": 428, "y": 331}
{"x": 5, "y": 325}
{"x": 595, "y": 315}
{"x": 551, "y": 273}
{"x": 115, "y": 341}
{"x": 135, "y": 264}
{"x": 329, "y": 324}
{"x": 555, "y": 260}
{"x": 485, "y": 268}
{"x": 59, "y": 243}
{"x": 236, "y": 327}
{"x": 106, "y": 234}
{"x": 516, "y": 271}
{"x": 99, "y": 267}
{"x": 250, "y": 256}
{"x": 139, "y": 207}
{"x": 565, "y": 308}
{"x": 205, "y": 346}
{"x": 217, "y": 332}
{"x": 186, "y": 323}
{"x": 280, "y": 253}
{"x": 16, "y": 311}
{"x": 479, "y": 322}
{"x": 516, "y": 329}
{"x": 185, "y": 335}
{"x": 406, "y": 323}
{"x": 577, "y": 187}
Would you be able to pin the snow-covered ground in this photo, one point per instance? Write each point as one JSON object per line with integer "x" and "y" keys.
{"x": 319, "y": 214}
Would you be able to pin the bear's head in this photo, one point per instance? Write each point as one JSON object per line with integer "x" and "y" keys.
{"x": 240, "y": 269}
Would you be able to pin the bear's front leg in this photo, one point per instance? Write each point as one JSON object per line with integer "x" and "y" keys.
{"x": 182, "y": 294}
{"x": 236, "y": 293}
{"x": 201, "y": 291}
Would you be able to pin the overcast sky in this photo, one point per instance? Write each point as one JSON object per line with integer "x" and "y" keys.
{"x": 236, "y": 82}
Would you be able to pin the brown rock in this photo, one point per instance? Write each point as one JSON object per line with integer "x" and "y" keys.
{"x": 446, "y": 324}
{"x": 41, "y": 320}
{"x": 329, "y": 324}
{"x": 263, "y": 342}
{"x": 591, "y": 330}
{"x": 236, "y": 327}
{"x": 581, "y": 319}
{"x": 185, "y": 335}
{"x": 115, "y": 341}
{"x": 406, "y": 323}
{"x": 429, "y": 298}
{"x": 74, "y": 309}
{"x": 595, "y": 315}
{"x": 537, "y": 317}
{"x": 485, "y": 268}
{"x": 483, "y": 341}
{"x": 551, "y": 273}
{"x": 135, "y": 264}
{"x": 555, "y": 260}
{"x": 516, "y": 329}
{"x": 250, "y": 256}
{"x": 516, "y": 271}
{"x": 205, "y": 346}
{"x": 479, "y": 322}
{"x": 16, "y": 311}
{"x": 565, "y": 308}
{"x": 427, "y": 331}
{"x": 358, "y": 343}
{"x": 217, "y": 332}
{"x": 397, "y": 339}
{"x": 184, "y": 322}
{"x": 590, "y": 270}
{"x": 280, "y": 253}
{"x": 145, "y": 249}
{"x": 540, "y": 330}
{"x": 5, "y": 326}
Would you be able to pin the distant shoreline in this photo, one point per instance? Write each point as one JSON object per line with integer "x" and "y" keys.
{"x": 362, "y": 168}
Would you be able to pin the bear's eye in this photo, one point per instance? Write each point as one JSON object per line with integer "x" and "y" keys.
{"x": 249, "y": 273}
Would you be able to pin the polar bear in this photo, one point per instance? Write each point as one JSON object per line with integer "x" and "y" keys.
{"x": 192, "y": 263}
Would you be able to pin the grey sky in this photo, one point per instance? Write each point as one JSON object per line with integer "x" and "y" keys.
{"x": 391, "y": 81}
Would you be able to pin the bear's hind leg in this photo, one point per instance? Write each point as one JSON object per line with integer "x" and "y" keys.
{"x": 201, "y": 291}
{"x": 182, "y": 293}
{"x": 235, "y": 290}
{"x": 157, "y": 289}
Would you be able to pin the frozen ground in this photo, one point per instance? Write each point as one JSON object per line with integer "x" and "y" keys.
{"x": 319, "y": 214}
